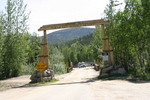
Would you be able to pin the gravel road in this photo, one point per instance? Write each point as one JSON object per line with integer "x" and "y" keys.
{"x": 80, "y": 84}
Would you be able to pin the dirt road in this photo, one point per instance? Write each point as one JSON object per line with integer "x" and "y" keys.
{"x": 80, "y": 84}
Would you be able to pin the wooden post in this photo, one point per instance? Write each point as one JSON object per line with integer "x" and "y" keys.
{"x": 43, "y": 56}
{"x": 98, "y": 61}
{"x": 106, "y": 48}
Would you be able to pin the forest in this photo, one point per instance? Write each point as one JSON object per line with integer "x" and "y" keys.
{"x": 18, "y": 47}
{"x": 68, "y": 34}
{"x": 128, "y": 35}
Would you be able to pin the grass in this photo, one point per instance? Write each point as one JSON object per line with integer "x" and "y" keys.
{"x": 116, "y": 76}
{"x": 42, "y": 83}
{"x": 127, "y": 76}
{"x": 2, "y": 84}
{"x": 146, "y": 77}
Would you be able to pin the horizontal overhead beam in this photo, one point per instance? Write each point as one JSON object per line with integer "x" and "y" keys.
{"x": 73, "y": 24}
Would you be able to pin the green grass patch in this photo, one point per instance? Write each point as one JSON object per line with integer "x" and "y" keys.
{"x": 51, "y": 81}
{"x": 127, "y": 76}
{"x": 146, "y": 77}
{"x": 2, "y": 84}
{"x": 113, "y": 77}
{"x": 54, "y": 80}
{"x": 40, "y": 83}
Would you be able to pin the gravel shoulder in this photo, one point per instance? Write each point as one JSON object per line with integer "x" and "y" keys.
{"x": 14, "y": 82}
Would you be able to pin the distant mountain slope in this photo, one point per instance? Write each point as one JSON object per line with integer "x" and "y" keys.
{"x": 85, "y": 40}
{"x": 69, "y": 34}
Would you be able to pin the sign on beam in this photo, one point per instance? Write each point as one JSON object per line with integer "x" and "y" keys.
{"x": 105, "y": 56}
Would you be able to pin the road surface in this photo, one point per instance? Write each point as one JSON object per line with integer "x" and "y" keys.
{"x": 80, "y": 84}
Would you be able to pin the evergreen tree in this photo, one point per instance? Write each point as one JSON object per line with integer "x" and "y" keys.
{"x": 34, "y": 50}
{"x": 17, "y": 39}
{"x": 96, "y": 44}
{"x": 2, "y": 38}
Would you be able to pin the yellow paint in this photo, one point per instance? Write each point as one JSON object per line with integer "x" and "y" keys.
{"x": 67, "y": 64}
{"x": 40, "y": 66}
{"x": 98, "y": 61}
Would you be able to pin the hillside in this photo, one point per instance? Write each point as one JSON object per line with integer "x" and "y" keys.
{"x": 69, "y": 34}
{"x": 85, "y": 40}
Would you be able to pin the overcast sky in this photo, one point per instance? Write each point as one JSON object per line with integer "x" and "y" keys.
{"x": 45, "y": 12}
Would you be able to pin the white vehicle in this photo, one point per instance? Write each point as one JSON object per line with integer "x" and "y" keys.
{"x": 81, "y": 64}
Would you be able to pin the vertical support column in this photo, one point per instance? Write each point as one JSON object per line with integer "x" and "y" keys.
{"x": 43, "y": 56}
{"x": 112, "y": 57}
{"x": 104, "y": 42}
{"x": 45, "y": 36}
{"x": 106, "y": 48}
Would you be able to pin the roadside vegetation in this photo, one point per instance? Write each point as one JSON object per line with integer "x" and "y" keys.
{"x": 129, "y": 36}
{"x": 18, "y": 47}
{"x": 128, "y": 76}
{"x": 44, "y": 83}
{"x": 2, "y": 84}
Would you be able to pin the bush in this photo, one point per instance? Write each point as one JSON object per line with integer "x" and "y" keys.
{"x": 57, "y": 61}
{"x": 27, "y": 69}
{"x": 59, "y": 68}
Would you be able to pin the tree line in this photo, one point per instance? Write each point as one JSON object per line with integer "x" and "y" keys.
{"x": 84, "y": 49}
{"x": 129, "y": 34}
{"x": 18, "y": 48}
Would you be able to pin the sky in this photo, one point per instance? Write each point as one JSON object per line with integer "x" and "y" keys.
{"x": 45, "y": 12}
